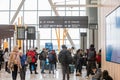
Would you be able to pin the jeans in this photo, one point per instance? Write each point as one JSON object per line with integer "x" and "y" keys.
{"x": 23, "y": 72}
{"x": 51, "y": 67}
{"x": 43, "y": 66}
{"x": 32, "y": 66}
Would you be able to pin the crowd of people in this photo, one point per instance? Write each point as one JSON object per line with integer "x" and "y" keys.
{"x": 17, "y": 61}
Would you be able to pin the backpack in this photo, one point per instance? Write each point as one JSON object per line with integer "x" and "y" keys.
{"x": 91, "y": 55}
{"x": 51, "y": 58}
{"x": 42, "y": 56}
{"x": 29, "y": 59}
{"x": 23, "y": 59}
{"x": 65, "y": 57}
{"x": 69, "y": 58}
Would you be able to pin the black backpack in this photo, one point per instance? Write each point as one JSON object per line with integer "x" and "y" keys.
{"x": 91, "y": 55}
{"x": 65, "y": 57}
{"x": 43, "y": 55}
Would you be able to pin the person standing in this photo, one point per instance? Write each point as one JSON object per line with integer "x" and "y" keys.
{"x": 65, "y": 59}
{"x": 36, "y": 57}
{"x": 6, "y": 58}
{"x": 43, "y": 57}
{"x": 52, "y": 60}
{"x": 98, "y": 59}
{"x": 91, "y": 59}
{"x": 78, "y": 61}
{"x": 31, "y": 54}
{"x": 1, "y": 57}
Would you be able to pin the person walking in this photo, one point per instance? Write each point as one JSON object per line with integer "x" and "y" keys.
{"x": 43, "y": 57}
{"x": 78, "y": 61}
{"x": 23, "y": 61}
{"x": 14, "y": 63}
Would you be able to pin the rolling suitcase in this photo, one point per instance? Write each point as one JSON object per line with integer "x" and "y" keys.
{"x": 71, "y": 68}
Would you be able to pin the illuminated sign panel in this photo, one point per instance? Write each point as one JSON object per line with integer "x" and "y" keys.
{"x": 63, "y": 22}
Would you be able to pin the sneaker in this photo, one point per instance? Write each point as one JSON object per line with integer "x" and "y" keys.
{"x": 77, "y": 74}
{"x": 87, "y": 77}
{"x": 53, "y": 72}
{"x": 43, "y": 72}
{"x": 36, "y": 72}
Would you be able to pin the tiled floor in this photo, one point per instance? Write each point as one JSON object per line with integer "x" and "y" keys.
{"x": 57, "y": 76}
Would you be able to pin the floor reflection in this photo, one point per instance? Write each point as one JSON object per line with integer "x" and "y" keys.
{"x": 56, "y": 76}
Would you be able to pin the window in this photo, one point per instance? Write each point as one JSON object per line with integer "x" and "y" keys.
{"x": 74, "y": 33}
{"x": 54, "y": 36}
{"x": 20, "y": 15}
{"x": 4, "y": 17}
{"x": 15, "y": 4}
{"x": 45, "y": 33}
{"x": 30, "y": 4}
{"x": 44, "y": 5}
{"x": 44, "y": 13}
{"x": 30, "y": 17}
{"x": 4, "y": 4}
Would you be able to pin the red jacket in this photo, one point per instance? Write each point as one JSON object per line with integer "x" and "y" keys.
{"x": 98, "y": 58}
{"x": 32, "y": 54}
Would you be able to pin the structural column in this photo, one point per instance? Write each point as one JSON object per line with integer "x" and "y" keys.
{"x": 93, "y": 37}
{"x": 83, "y": 38}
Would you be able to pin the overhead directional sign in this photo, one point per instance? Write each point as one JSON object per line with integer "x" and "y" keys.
{"x": 63, "y": 21}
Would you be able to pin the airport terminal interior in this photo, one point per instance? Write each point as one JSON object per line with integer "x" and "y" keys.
{"x": 46, "y": 27}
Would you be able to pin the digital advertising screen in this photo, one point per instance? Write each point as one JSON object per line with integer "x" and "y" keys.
{"x": 49, "y": 46}
{"x": 113, "y": 36}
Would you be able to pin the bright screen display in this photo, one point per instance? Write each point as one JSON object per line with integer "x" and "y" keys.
{"x": 113, "y": 36}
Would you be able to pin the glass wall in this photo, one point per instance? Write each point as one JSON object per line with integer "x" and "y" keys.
{"x": 32, "y": 9}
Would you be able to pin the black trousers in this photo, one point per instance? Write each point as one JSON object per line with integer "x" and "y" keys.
{"x": 55, "y": 65}
{"x": 14, "y": 72}
{"x": 79, "y": 67}
{"x": 0, "y": 66}
{"x": 6, "y": 64}
{"x": 99, "y": 65}
{"x": 65, "y": 70}
{"x": 23, "y": 73}
{"x": 89, "y": 67}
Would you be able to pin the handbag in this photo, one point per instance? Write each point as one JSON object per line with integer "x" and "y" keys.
{"x": 11, "y": 65}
